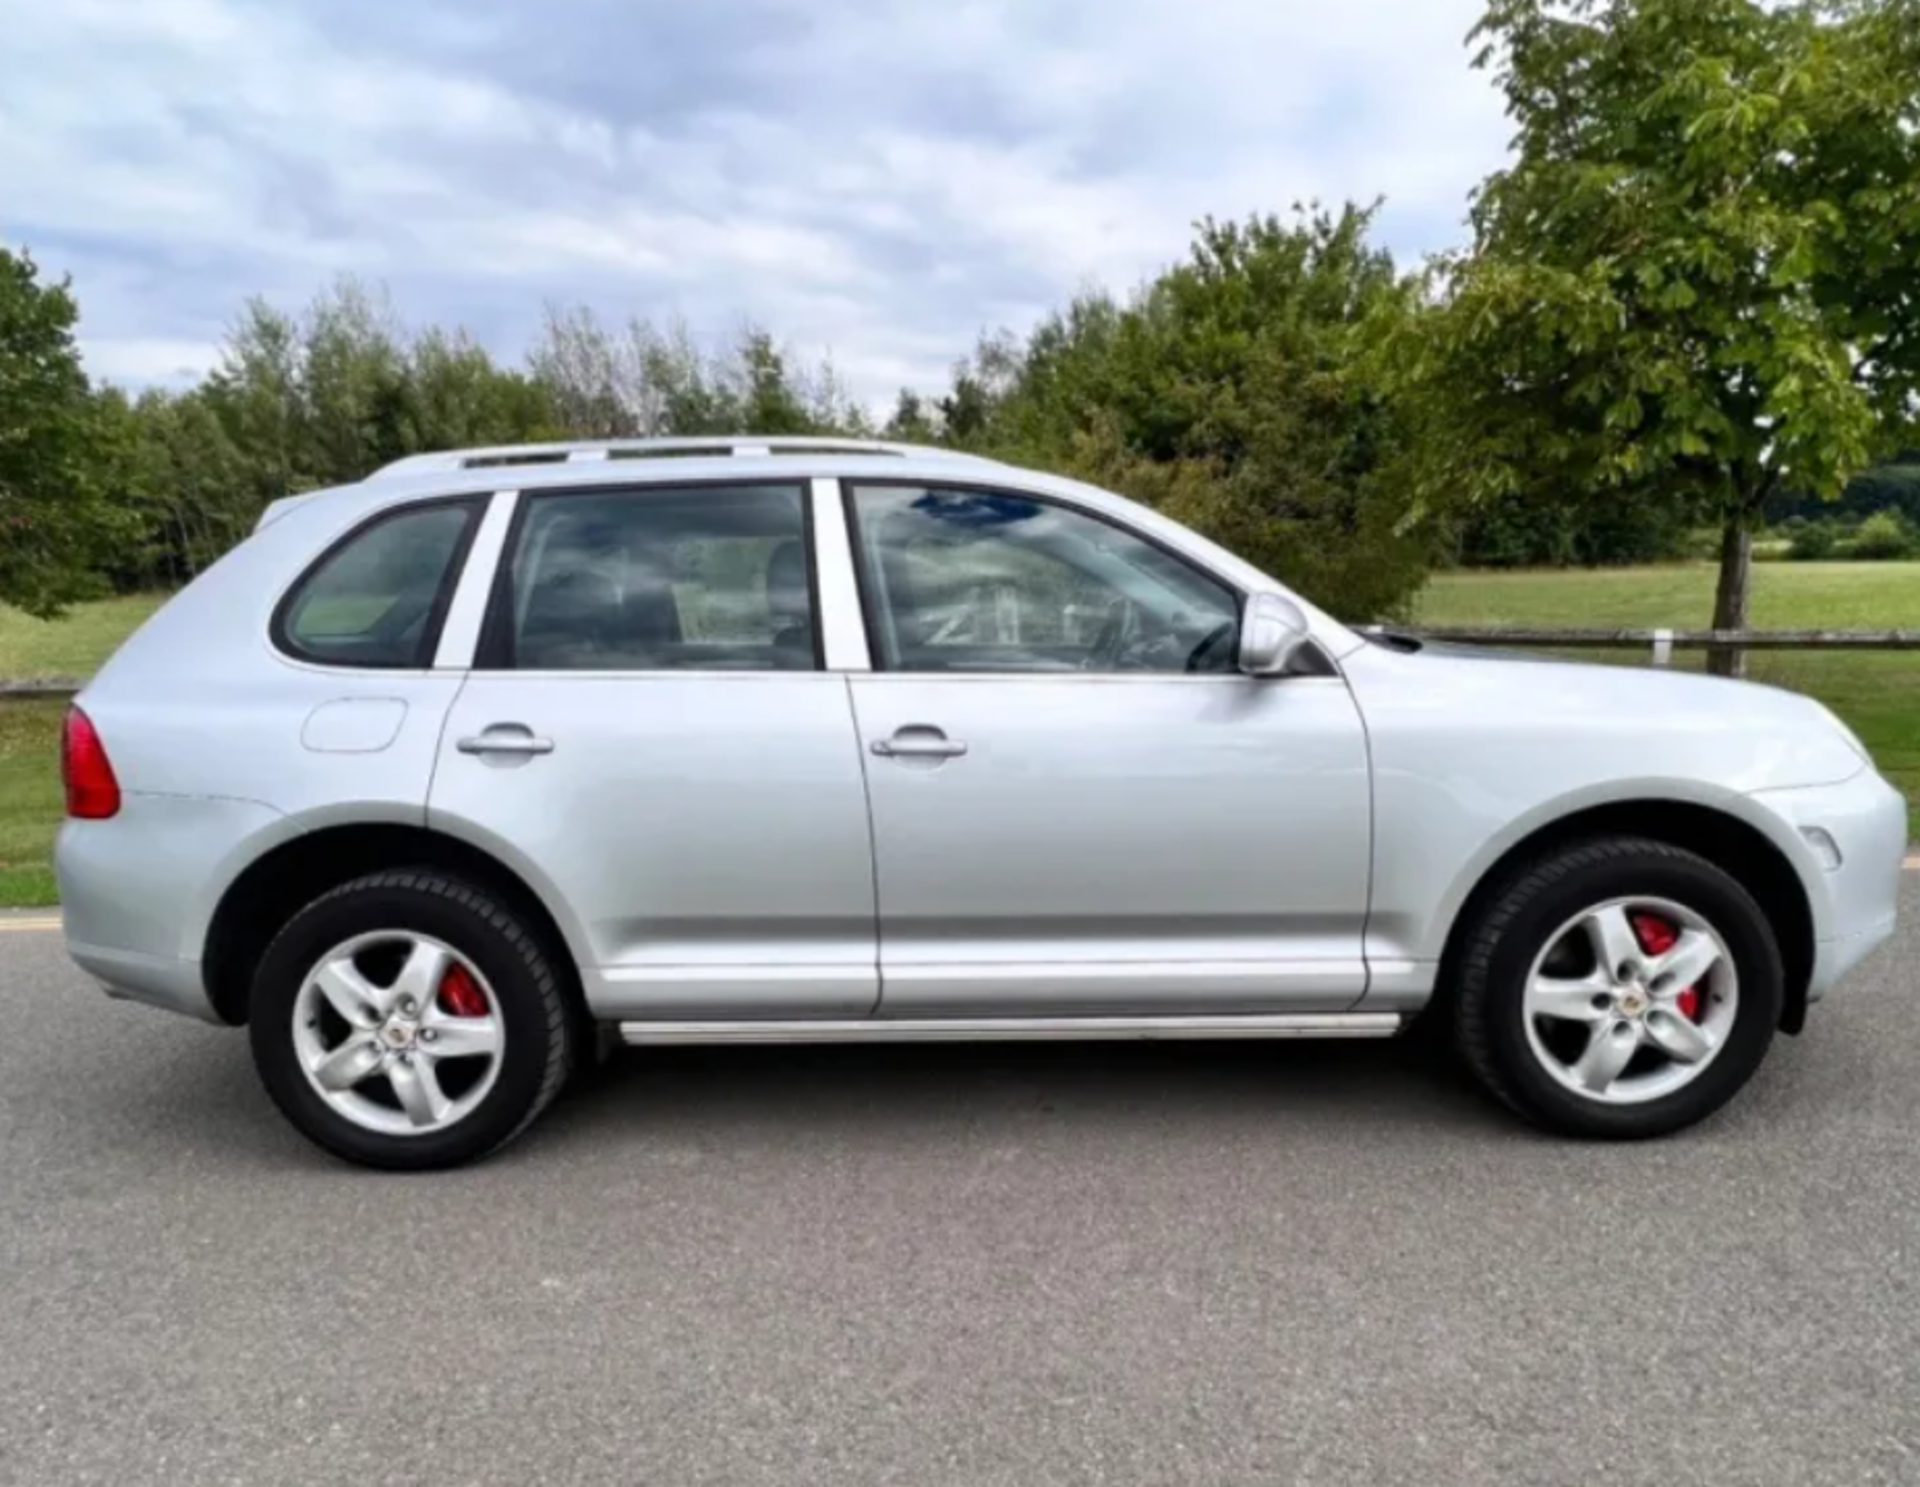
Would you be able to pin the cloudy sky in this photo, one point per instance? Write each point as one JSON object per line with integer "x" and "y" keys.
{"x": 875, "y": 179}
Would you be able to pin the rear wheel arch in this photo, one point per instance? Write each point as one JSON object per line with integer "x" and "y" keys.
{"x": 274, "y": 888}
{"x": 1741, "y": 850}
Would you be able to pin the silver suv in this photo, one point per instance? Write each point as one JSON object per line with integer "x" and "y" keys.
{"x": 441, "y": 781}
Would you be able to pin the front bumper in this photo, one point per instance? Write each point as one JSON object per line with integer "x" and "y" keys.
{"x": 1856, "y": 902}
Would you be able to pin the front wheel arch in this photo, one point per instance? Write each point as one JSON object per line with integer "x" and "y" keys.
{"x": 1730, "y": 844}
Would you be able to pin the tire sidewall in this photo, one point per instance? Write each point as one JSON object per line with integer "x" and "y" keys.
{"x": 471, "y": 924}
{"x": 1652, "y": 874}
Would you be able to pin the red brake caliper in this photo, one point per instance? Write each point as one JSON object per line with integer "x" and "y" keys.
{"x": 1657, "y": 937}
{"x": 460, "y": 994}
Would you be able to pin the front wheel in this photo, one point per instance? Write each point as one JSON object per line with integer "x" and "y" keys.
{"x": 1620, "y": 988}
{"x": 406, "y": 1020}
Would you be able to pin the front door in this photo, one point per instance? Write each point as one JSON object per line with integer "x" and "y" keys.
{"x": 1079, "y": 805}
{"x": 649, "y": 736}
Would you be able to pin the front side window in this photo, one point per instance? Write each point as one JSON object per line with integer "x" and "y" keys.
{"x": 379, "y": 597}
{"x": 966, "y": 580}
{"x": 704, "y": 579}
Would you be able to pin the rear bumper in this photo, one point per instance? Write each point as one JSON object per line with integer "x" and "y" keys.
{"x": 138, "y": 890}
{"x": 172, "y": 985}
{"x": 1855, "y": 903}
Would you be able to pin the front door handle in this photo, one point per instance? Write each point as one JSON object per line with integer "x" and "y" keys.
{"x": 919, "y": 743}
{"x": 506, "y": 738}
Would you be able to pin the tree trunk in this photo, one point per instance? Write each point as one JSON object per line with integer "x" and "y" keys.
{"x": 1730, "y": 594}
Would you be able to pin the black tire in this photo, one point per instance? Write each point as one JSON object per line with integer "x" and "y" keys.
{"x": 1513, "y": 928}
{"x": 539, "y": 1026}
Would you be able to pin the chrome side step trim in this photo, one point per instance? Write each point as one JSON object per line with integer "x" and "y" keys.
{"x": 1003, "y": 1029}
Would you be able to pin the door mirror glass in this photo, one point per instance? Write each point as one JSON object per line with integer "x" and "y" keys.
{"x": 1274, "y": 629}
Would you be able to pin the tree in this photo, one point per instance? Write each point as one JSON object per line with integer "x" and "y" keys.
{"x": 56, "y": 523}
{"x": 1696, "y": 278}
{"x": 1233, "y": 392}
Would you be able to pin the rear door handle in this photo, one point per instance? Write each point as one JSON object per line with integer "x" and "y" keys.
{"x": 506, "y": 738}
{"x": 919, "y": 743}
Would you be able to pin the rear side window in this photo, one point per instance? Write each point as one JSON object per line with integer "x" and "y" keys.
{"x": 379, "y": 597}
{"x": 677, "y": 579}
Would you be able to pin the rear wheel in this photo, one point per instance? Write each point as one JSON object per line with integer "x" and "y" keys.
{"x": 1620, "y": 988}
{"x": 406, "y": 1020}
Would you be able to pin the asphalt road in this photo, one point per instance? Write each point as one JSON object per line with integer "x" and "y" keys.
{"x": 973, "y": 1266}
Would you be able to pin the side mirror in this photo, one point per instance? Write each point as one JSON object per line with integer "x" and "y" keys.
{"x": 1274, "y": 628}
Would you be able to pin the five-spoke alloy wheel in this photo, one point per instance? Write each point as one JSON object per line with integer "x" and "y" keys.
{"x": 398, "y": 1032}
{"x": 1618, "y": 988}
{"x": 408, "y": 1020}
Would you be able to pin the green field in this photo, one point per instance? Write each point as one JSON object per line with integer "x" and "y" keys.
{"x": 30, "y": 732}
{"x": 1879, "y": 695}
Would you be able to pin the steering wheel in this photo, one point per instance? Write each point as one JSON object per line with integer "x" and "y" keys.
{"x": 1211, "y": 642}
{"x": 1119, "y": 628}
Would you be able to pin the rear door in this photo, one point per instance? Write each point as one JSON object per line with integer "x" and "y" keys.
{"x": 648, "y": 734}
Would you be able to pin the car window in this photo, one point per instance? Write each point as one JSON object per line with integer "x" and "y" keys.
{"x": 966, "y": 580}
{"x": 660, "y": 580}
{"x": 377, "y": 599}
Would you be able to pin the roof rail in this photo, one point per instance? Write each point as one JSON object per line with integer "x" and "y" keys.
{"x": 594, "y": 451}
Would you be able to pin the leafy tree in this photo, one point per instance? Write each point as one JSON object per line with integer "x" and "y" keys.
{"x": 181, "y": 487}
{"x": 1232, "y": 391}
{"x": 646, "y": 382}
{"x": 912, "y": 422}
{"x": 55, "y": 469}
{"x": 1697, "y": 276}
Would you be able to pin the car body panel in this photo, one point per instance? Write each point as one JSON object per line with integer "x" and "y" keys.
{"x": 1473, "y": 755}
{"x": 1110, "y": 845}
{"x": 138, "y": 891}
{"x": 708, "y": 832}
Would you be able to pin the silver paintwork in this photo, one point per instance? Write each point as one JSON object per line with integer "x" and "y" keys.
{"x": 1013, "y": 1029}
{"x": 397, "y": 1036}
{"x": 848, "y": 843}
{"x": 1630, "y": 1000}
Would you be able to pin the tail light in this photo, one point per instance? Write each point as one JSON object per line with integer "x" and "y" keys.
{"x": 93, "y": 794}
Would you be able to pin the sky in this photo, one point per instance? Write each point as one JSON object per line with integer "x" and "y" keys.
{"x": 877, "y": 181}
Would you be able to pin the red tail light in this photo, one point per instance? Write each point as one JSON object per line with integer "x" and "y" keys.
{"x": 93, "y": 794}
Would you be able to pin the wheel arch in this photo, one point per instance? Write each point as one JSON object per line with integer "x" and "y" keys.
{"x": 1738, "y": 847}
{"x": 260, "y": 900}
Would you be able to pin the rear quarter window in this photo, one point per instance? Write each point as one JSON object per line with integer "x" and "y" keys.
{"x": 378, "y": 597}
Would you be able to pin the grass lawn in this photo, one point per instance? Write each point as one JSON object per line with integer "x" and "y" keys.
{"x": 30, "y": 732}
{"x": 1878, "y": 695}
{"x": 30, "y": 804}
{"x": 73, "y": 645}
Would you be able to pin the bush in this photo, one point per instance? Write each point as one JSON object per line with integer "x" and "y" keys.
{"x": 1812, "y": 542}
{"x": 1883, "y": 537}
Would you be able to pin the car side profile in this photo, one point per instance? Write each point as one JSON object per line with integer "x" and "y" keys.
{"x": 442, "y": 782}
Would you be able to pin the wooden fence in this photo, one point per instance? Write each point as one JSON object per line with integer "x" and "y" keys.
{"x": 1663, "y": 643}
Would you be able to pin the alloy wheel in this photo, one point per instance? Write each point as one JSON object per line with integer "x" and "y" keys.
{"x": 399, "y": 1033}
{"x": 1631, "y": 1000}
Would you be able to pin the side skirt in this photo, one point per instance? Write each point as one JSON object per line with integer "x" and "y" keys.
{"x": 1005, "y": 1029}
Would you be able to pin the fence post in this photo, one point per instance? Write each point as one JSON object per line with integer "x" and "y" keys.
{"x": 1663, "y": 647}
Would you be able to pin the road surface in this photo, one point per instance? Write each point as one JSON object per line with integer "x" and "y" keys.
{"x": 1018, "y": 1265}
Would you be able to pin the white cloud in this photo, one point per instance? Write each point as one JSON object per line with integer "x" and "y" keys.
{"x": 882, "y": 180}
